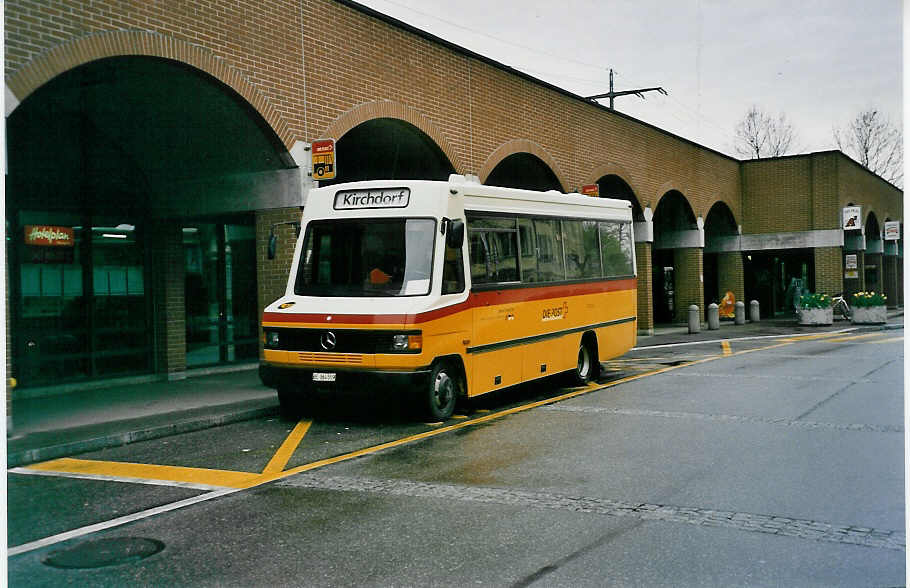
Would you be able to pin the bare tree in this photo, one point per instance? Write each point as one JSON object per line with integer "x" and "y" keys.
{"x": 875, "y": 143}
{"x": 759, "y": 135}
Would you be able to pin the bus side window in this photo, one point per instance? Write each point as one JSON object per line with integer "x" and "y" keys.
{"x": 480, "y": 265}
{"x": 550, "y": 267}
{"x": 528, "y": 245}
{"x": 616, "y": 249}
{"x": 453, "y": 272}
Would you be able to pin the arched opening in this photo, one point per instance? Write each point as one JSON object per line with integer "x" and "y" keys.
{"x": 132, "y": 184}
{"x": 873, "y": 258}
{"x": 389, "y": 149}
{"x": 675, "y": 234}
{"x": 613, "y": 186}
{"x": 721, "y": 258}
{"x": 523, "y": 170}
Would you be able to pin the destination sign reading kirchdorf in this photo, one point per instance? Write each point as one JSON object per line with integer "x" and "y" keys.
{"x": 376, "y": 198}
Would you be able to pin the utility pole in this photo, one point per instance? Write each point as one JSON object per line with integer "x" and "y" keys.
{"x": 611, "y": 94}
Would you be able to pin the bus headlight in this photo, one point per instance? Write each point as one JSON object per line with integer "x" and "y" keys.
{"x": 404, "y": 343}
{"x": 271, "y": 339}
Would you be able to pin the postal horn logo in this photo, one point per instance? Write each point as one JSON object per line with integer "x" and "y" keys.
{"x": 327, "y": 340}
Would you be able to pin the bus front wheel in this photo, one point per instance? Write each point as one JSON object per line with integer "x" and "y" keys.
{"x": 442, "y": 391}
{"x": 292, "y": 401}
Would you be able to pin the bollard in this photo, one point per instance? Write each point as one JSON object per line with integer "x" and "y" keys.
{"x": 713, "y": 317}
{"x": 739, "y": 313}
{"x": 754, "y": 311}
{"x": 694, "y": 320}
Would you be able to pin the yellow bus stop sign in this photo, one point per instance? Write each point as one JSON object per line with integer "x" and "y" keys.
{"x": 324, "y": 167}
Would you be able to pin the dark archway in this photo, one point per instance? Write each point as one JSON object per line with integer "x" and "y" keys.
{"x": 674, "y": 223}
{"x": 873, "y": 258}
{"x": 720, "y": 226}
{"x": 613, "y": 186}
{"x": 128, "y": 132}
{"x": 99, "y": 157}
{"x": 389, "y": 149}
{"x": 523, "y": 170}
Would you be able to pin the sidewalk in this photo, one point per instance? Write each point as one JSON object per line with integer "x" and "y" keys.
{"x": 68, "y": 424}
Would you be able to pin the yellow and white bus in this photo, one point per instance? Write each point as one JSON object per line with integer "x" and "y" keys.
{"x": 450, "y": 289}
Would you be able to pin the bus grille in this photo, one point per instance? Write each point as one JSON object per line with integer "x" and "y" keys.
{"x": 331, "y": 358}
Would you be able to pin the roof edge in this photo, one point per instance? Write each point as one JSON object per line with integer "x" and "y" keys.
{"x": 511, "y": 70}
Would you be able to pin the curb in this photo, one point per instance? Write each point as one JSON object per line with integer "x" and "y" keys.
{"x": 40, "y": 454}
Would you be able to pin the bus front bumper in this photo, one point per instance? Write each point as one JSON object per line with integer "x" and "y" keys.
{"x": 335, "y": 380}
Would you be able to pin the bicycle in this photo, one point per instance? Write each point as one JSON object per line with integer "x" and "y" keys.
{"x": 840, "y": 306}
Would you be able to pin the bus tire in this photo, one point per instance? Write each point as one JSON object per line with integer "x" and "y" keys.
{"x": 291, "y": 400}
{"x": 586, "y": 366}
{"x": 442, "y": 391}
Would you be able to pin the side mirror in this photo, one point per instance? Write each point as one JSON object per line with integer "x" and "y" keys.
{"x": 273, "y": 245}
{"x": 273, "y": 238}
{"x": 455, "y": 234}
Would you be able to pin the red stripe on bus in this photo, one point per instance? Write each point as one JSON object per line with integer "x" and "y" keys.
{"x": 484, "y": 298}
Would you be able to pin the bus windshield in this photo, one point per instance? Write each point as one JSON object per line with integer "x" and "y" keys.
{"x": 367, "y": 258}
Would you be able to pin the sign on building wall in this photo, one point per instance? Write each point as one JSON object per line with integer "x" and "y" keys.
{"x": 850, "y": 261}
{"x": 48, "y": 236}
{"x": 853, "y": 217}
{"x": 590, "y": 190}
{"x": 324, "y": 166}
{"x": 892, "y": 230}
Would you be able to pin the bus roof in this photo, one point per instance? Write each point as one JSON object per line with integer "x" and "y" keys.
{"x": 323, "y": 202}
{"x": 479, "y": 197}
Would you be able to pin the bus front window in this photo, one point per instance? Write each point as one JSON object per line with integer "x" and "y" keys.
{"x": 367, "y": 258}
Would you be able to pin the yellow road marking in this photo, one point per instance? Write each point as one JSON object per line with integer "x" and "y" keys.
{"x": 811, "y": 337}
{"x": 284, "y": 453}
{"x": 889, "y": 340}
{"x": 479, "y": 420}
{"x": 725, "y": 345}
{"x": 274, "y": 471}
{"x": 853, "y": 338}
{"x": 224, "y": 478}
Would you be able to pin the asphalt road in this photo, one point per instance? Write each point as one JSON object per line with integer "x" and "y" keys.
{"x": 774, "y": 462}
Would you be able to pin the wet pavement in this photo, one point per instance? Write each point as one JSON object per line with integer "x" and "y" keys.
{"x": 48, "y": 427}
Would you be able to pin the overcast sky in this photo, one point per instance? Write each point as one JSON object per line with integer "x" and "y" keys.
{"x": 820, "y": 62}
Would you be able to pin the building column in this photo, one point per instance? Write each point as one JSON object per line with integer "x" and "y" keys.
{"x": 645, "y": 291}
{"x": 690, "y": 281}
{"x": 829, "y": 270}
{"x": 730, "y": 275}
{"x": 168, "y": 271}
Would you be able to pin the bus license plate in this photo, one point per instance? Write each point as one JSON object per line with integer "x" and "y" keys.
{"x": 323, "y": 377}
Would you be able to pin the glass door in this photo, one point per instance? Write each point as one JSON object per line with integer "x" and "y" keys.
{"x": 222, "y": 323}
{"x": 79, "y": 299}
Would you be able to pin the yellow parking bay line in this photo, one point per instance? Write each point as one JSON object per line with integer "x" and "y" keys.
{"x": 287, "y": 449}
{"x": 141, "y": 471}
{"x": 853, "y": 338}
{"x": 888, "y": 340}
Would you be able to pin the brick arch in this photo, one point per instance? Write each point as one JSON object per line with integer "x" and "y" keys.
{"x": 521, "y": 146}
{"x": 611, "y": 169}
{"x": 665, "y": 189}
{"x": 736, "y": 222}
{"x": 389, "y": 109}
{"x": 101, "y": 45}
{"x": 712, "y": 204}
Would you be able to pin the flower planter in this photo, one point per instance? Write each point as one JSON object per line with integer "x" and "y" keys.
{"x": 816, "y": 316}
{"x": 869, "y": 315}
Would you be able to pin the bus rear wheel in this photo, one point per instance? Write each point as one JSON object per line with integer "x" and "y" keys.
{"x": 442, "y": 391}
{"x": 586, "y": 367}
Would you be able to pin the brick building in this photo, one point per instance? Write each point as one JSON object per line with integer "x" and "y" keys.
{"x": 161, "y": 141}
